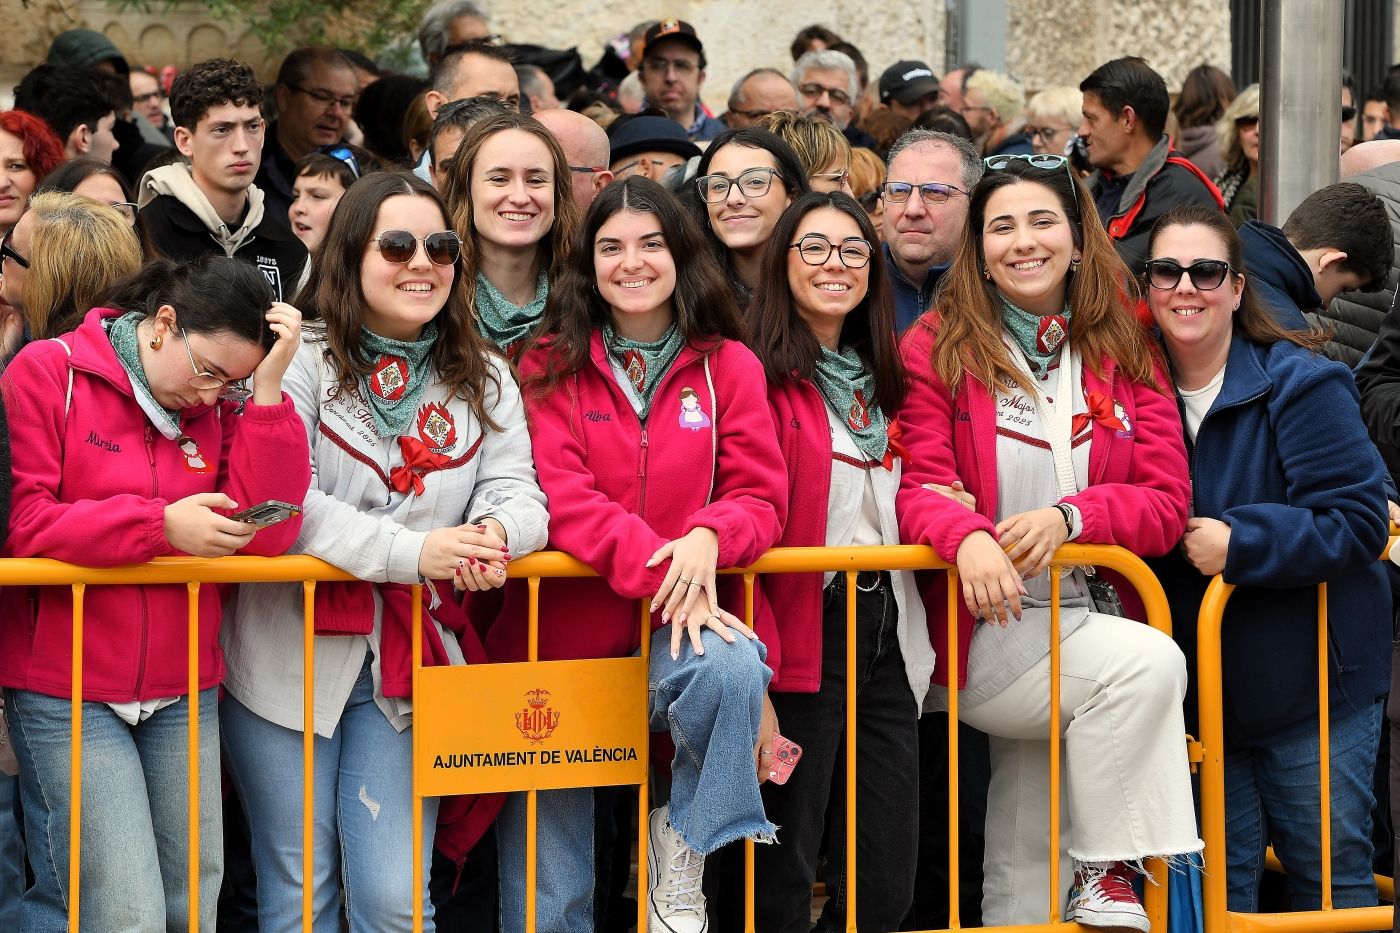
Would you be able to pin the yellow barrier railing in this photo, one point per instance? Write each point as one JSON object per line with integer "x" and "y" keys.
{"x": 308, "y": 571}
{"x": 1209, "y": 671}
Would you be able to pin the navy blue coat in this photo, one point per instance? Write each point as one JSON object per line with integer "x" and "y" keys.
{"x": 1279, "y": 277}
{"x": 1283, "y": 457}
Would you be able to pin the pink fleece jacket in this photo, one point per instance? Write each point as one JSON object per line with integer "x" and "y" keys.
{"x": 618, "y": 492}
{"x": 91, "y": 482}
{"x": 1139, "y": 487}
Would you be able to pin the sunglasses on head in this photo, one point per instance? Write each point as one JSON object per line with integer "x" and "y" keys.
{"x": 1042, "y": 160}
{"x": 1206, "y": 274}
{"x": 343, "y": 154}
{"x": 442, "y": 248}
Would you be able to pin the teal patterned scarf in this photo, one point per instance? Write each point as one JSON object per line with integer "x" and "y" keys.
{"x": 1039, "y": 338}
{"x": 644, "y": 363}
{"x": 848, "y": 386}
{"x": 122, "y": 332}
{"x": 501, "y": 321}
{"x": 397, "y": 379}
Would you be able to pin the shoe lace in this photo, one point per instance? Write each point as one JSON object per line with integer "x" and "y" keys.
{"x": 686, "y": 875}
{"x": 1112, "y": 880}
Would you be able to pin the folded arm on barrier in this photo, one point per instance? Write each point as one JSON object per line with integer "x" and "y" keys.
{"x": 506, "y": 486}
{"x": 1335, "y": 520}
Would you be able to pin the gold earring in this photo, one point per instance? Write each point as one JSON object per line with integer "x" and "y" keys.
{"x": 155, "y": 344}
{"x": 986, "y": 273}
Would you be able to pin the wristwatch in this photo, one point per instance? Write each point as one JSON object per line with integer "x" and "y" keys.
{"x": 1068, "y": 516}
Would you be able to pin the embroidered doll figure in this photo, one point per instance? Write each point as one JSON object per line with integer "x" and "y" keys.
{"x": 194, "y": 460}
{"x": 692, "y": 415}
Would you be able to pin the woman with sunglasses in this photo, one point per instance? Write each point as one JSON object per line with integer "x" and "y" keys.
{"x": 1239, "y": 149}
{"x": 1286, "y": 493}
{"x": 745, "y": 180}
{"x": 650, "y": 429}
{"x": 511, "y": 195}
{"x": 1032, "y": 383}
{"x": 823, "y": 326}
{"x": 65, "y": 252}
{"x": 133, "y": 438}
{"x": 422, "y": 473}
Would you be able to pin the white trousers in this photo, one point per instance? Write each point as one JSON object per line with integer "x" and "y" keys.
{"x": 1125, "y": 788}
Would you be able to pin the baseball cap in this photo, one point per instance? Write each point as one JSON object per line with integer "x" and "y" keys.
{"x": 671, "y": 29}
{"x": 645, "y": 133}
{"x": 906, "y": 82}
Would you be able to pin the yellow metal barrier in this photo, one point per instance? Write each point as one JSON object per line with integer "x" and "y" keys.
{"x": 1209, "y": 672}
{"x": 308, "y": 571}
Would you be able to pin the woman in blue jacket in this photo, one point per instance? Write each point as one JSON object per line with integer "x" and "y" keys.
{"x": 1286, "y": 493}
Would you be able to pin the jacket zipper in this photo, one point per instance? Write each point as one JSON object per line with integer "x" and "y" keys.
{"x": 141, "y": 590}
{"x": 642, "y": 475}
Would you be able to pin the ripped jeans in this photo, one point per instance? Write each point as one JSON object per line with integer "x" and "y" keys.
{"x": 363, "y": 821}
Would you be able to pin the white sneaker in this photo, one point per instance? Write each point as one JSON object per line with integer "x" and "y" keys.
{"x": 675, "y": 903}
{"x": 1103, "y": 897}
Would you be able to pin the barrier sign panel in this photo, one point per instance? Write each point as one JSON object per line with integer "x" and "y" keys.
{"x": 545, "y": 725}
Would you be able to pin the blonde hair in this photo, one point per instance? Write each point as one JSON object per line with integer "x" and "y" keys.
{"x": 78, "y": 248}
{"x": 1000, "y": 93}
{"x": 816, "y": 140}
{"x": 1245, "y": 104}
{"x": 1062, "y": 102}
{"x": 867, "y": 171}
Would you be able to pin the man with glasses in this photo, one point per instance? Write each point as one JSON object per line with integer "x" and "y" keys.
{"x": 585, "y": 145}
{"x": 925, "y": 198}
{"x": 315, "y": 94}
{"x": 211, "y": 205}
{"x": 650, "y": 146}
{"x": 757, "y": 94}
{"x": 673, "y": 71}
{"x": 1139, "y": 175}
{"x": 829, "y": 86}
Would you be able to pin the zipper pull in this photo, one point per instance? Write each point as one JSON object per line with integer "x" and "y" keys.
{"x": 644, "y": 437}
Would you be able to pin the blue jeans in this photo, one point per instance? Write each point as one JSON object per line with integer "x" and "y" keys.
{"x": 363, "y": 817}
{"x": 11, "y": 855}
{"x": 1271, "y": 797}
{"x": 135, "y": 814}
{"x": 711, "y": 704}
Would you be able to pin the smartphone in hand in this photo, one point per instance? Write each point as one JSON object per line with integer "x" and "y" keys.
{"x": 786, "y": 755}
{"x": 267, "y": 513}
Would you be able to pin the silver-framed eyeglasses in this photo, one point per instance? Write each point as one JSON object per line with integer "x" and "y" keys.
{"x": 933, "y": 192}
{"x": 753, "y": 183}
{"x": 229, "y": 390}
{"x": 815, "y": 250}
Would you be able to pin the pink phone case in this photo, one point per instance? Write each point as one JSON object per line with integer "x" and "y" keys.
{"x": 786, "y": 755}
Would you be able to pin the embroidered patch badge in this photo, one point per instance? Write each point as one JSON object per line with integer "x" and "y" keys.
{"x": 436, "y": 427}
{"x": 692, "y": 415}
{"x": 195, "y": 461}
{"x": 636, "y": 369}
{"x": 858, "y": 418}
{"x": 389, "y": 380}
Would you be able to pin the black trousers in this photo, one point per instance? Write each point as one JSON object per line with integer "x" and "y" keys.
{"x": 887, "y": 779}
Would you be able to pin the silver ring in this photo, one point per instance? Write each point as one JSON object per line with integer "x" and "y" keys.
{"x": 683, "y": 580}
{"x": 692, "y": 583}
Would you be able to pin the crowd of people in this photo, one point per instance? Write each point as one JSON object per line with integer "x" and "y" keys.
{"x": 429, "y": 320}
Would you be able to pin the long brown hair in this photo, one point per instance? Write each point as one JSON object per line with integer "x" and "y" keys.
{"x": 457, "y": 190}
{"x": 783, "y": 341}
{"x": 702, "y": 302}
{"x": 1252, "y": 320}
{"x": 1101, "y": 294}
{"x": 334, "y": 296}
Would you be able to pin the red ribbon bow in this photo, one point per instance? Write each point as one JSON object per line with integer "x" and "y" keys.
{"x": 418, "y": 460}
{"x": 895, "y": 446}
{"x": 1100, "y": 410}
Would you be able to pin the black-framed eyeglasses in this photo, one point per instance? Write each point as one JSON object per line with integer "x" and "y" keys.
{"x": 323, "y": 97}
{"x": 1348, "y": 114}
{"x": 813, "y": 90}
{"x": 1246, "y": 122}
{"x": 140, "y": 99}
{"x": 750, "y": 114}
{"x": 869, "y": 200}
{"x": 9, "y": 252}
{"x": 1206, "y": 274}
{"x": 232, "y": 390}
{"x": 752, "y": 183}
{"x": 932, "y": 192}
{"x": 815, "y": 249}
{"x": 342, "y": 153}
{"x": 589, "y": 169}
{"x": 400, "y": 246}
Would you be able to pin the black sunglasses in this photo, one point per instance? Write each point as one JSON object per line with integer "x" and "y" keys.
{"x": 1348, "y": 114}
{"x": 442, "y": 248}
{"x": 8, "y": 252}
{"x": 1206, "y": 274}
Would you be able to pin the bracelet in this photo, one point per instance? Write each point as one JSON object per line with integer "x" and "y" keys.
{"x": 1068, "y": 516}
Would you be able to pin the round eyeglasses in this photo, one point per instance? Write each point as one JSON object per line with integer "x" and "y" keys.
{"x": 815, "y": 250}
{"x": 400, "y": 246}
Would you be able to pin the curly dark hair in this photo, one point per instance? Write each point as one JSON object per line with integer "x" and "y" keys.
{"x": 209, "y": 84}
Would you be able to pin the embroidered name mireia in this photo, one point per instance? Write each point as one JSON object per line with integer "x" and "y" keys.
{"x": 107, "y": 445}
{"x": 594, "y": 415}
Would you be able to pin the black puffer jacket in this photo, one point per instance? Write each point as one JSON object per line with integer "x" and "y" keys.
{"x": 1355, "y": 317}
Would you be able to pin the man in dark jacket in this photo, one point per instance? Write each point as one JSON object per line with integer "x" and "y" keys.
{"x": 1139, "y": 176}
{"x": 1355, "y": 317}
{"x": 212, "y": 205}
{"x": 1338, "y": 239}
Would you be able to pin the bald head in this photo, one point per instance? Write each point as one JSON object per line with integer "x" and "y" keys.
{"x": 1366, "y": 156}
{"x": 585, "y": 145}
